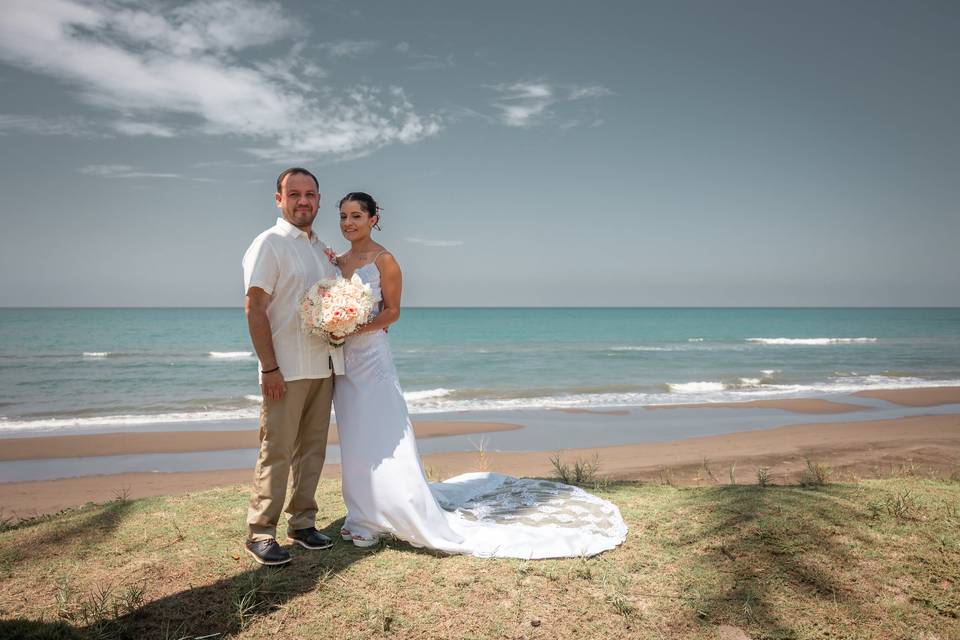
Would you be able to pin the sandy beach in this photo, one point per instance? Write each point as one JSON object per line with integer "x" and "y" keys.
{"x": 866, "y": 448}
{"x": 926, "y": 397}
{"x": 923, "y": 443}
{"x": 112, "y": 444}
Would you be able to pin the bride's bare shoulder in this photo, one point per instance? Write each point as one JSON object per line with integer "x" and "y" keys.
{"x": 385, "y": 258}
{"x": 386, "y": 263}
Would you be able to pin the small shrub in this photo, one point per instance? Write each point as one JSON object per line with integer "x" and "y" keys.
{"x": 131, "y": 598}
{"x": 815, "y": 474}
{"x": 483, "y": 460}
{"x": 621, "y": 605}
{"x": 665, "y": 476}
{"x": 101, "y": 610}
{"x": 763, "y": 476}
{"x": 6, "y": 521}
{"x": 902, "y": 506}
{"x": 579, "y": 473}
{"x": 706, "y": 471}
{"x": 583, "y": 570}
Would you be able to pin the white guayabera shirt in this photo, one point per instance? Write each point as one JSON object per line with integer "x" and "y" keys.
{"x": 284, "y": 261}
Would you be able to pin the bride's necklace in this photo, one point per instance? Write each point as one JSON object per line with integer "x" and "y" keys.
{"x": 359, "y": 259}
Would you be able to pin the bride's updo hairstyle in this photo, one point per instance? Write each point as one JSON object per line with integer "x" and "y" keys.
{"x": 367, "y": 203}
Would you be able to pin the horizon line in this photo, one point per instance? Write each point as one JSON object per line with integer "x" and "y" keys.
{"x": 117, "y": 307}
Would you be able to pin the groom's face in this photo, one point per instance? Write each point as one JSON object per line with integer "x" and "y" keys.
{"x": 298, "y": 200}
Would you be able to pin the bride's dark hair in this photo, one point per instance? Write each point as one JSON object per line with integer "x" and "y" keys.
{"x": 367, "y": 203}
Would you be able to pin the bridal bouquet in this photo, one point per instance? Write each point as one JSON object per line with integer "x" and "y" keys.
{"x": 336, "y": 307}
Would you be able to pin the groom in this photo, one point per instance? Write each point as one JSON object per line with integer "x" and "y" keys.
{"x": 295, "y": 374}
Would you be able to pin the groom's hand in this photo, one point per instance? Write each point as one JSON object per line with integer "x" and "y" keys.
{"x": 273, "y": 385}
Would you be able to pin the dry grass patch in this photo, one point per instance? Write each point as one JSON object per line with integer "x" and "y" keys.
{"x": 875, "y": 559}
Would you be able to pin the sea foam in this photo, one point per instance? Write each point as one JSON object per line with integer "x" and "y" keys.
{"x": 695, "y": 387}
{"x": 230, "y": 354}
{"x": 127, "y": 420}
{"x": 443, "y": 400}
{"x": 811, "y": 341}
{"x": 427, "y": 394}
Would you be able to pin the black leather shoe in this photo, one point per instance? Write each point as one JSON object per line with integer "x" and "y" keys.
{"x": 267, "y": 552}
{"x": 310, "y": 538}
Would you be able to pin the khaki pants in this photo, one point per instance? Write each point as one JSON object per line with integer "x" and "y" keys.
{"x": 293, "y": 437}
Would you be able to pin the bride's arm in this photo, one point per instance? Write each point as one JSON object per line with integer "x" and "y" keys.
{"x": 391, "y": 284}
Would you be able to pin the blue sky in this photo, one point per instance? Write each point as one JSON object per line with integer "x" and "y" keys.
{"x": 525, "y": 153}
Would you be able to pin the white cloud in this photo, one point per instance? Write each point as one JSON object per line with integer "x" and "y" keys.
{"x": 57, "y": 126}
{"x": 525, "y": 104}
{"x": 131, "y": 128}
{"x": 349, "y": 48}
{"x": 126, "y": 171}
{"x": 182, "y": 64}
{"x": 293, "y": 68}
{"x": 578, "y": 93}
{"x": 122, "y": 171}
{"x": 435, "y": 243}
{"x": 402, "y": 47}
{"x": 203, "y": 27}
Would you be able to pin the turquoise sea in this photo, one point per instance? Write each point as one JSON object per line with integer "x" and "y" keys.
{"x": 77, "y": 370}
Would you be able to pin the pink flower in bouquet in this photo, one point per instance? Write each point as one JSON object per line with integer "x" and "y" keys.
{"x": 332, "y": 308}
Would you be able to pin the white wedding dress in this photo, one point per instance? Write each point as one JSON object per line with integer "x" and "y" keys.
{"x": 483, "y": 514}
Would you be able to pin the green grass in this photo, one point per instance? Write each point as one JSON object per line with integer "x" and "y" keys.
{"x": 873, "y": 559}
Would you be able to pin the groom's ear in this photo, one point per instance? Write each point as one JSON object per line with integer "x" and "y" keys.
{"x": 278, "y": 197}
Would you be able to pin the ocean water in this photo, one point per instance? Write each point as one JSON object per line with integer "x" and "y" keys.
{"x": 90, "y": 369}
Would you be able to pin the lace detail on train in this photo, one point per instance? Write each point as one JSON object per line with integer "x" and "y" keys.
{"x": 504, "y": 500}
{"x": 482, "y": 514}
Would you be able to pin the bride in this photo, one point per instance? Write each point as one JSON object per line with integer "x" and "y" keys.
{"x": 384, "y": 486}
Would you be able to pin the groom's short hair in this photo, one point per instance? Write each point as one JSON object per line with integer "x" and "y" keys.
{"x": 293, "y": 170}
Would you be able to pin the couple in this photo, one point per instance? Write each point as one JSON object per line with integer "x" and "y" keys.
{"x": 384, "y": 487}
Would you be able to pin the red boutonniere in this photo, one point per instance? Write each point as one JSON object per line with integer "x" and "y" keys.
{"x": 331, "y": 255}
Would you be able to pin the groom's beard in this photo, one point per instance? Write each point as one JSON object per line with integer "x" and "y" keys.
{"x": 303, "y": 219}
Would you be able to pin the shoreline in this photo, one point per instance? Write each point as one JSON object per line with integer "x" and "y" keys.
{"x": 929, "y": 443}
{"x": 127, "y": 443}
{"x": 793, "y": 405}
{"x": 917, "y": 397}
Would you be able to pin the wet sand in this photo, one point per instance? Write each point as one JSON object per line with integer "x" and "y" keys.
{"x": 112, "y": 444}
{"x": 865, "y": 447}
{"x": 795, "y": 405}
{"x": 853, "y": 449}
{"x": 915, "y": 397}
{"x": 596, "y": 412}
